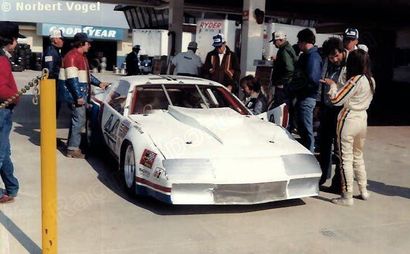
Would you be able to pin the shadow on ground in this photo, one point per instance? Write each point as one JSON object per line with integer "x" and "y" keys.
{"x": 388, "y": 190}
{"x": 106, "y": 167}
{"x": 19, "y": 235}
{"x": 26, "y": 117}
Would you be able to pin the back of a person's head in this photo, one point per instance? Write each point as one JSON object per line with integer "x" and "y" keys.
{"x": 306, "y": 35}
{"x": 358, "y": 63}
{"x": 332, "y": 45}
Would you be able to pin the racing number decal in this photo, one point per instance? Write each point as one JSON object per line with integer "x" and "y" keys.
{"x": 110, "y": 129}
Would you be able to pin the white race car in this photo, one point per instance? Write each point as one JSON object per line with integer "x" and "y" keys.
{"x": 186, "y": 140}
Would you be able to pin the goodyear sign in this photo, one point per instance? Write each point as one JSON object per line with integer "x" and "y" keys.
{"x": 93, "y": 32}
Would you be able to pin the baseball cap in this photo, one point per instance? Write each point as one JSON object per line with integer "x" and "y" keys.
{"x": 56, "y": 33}
{"x": 82, "y": 37}
{"x": 218, "y": 40}
{"x": 136, "y": 47}
{"x": 193, "y": 45}
{"x": 351, "y": 34}
{"x": 10, "y": 30}
{"x": 363, "y": 46}
{"x": 279, "y": 35}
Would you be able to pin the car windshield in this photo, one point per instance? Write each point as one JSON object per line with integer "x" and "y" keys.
{"x": 159, "y": 97}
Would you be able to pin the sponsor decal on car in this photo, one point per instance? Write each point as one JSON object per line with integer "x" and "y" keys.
{"x": 148, "y": 158}
{"x": 159, "y": 172}
{"x": 123, "y": 129}
{"x": 144, "y": 172}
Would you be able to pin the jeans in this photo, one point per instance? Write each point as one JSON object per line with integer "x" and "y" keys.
{"x": 304, "y": 111}
{"x": 6, "y": 166}
{"x": 78, "y": 119}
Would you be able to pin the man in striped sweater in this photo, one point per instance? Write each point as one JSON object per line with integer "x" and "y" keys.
{"x": 75, "y": 75}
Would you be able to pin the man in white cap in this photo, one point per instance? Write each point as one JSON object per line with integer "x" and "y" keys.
{"x": 283, "y": 67}
{"x": 187, "y": 63}
{"x": 222, "y": 65}
{"x": 351, "y": 40}
{"x": 52, "y": 62}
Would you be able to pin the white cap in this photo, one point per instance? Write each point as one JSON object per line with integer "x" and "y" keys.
{"x": 280, "y": 35}
{"x": 362, "y": 46}
{"x": 56, "y": 33}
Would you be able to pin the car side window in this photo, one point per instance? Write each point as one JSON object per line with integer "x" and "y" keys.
{"x": 150, "y": 98}
{"x": 118, "y": 96}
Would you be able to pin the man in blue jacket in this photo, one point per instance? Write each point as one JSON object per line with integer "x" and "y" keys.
{"x": 305, "y": 85}
{"x": 52, "y": 61}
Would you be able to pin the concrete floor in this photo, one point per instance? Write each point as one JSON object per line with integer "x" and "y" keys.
{"x": 96, "y": 216}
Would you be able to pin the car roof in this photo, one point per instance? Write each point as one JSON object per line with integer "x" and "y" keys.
{"x": 140, "y": 80}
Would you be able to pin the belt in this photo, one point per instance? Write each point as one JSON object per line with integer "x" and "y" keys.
{"x": 10, "y": 106}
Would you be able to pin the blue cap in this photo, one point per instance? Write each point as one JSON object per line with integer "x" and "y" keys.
{"x": 10, "y": 30}
{"x": 82, "y": 37}
{"x": 351, "y": 34}
{"x": 218, "y": 40}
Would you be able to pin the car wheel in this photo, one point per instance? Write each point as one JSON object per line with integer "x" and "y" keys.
{"x": 129, "y": 170}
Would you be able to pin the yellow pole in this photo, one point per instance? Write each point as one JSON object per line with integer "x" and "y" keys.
{"x": 48, "y": 166}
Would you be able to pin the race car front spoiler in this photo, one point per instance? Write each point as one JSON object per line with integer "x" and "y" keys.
{"x": 242, "y": 181}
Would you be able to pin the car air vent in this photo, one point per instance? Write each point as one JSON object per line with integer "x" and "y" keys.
{"x": 169, "y": 78}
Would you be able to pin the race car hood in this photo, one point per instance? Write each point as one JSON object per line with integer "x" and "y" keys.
{"x": 215, "y": 133}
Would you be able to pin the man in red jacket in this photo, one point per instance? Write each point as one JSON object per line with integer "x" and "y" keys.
{"x": 9, "y": 32}
{"x": 77, "y": 80}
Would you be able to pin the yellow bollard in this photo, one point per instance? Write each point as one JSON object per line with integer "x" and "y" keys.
{"x": 48, "y": 166}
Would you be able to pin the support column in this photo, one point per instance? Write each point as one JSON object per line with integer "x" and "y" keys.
{"x": 269, "y": 48}
{"x": 176, "y": 17}
{"x": 252, "y": 36}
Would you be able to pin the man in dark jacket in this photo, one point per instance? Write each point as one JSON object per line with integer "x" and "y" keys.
{"x": 222, "y": 65}
{"x": 305, "y": 85}
{"x": 52, "y": 62}
{"x": 132, "y": 61}
{"x": 283, "y": 67}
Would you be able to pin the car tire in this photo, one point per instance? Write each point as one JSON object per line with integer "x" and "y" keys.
{"x": 129, "y": 168}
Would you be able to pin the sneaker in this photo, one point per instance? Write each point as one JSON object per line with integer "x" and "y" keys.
{"x": 364, "y": 194}
{"x": 6, "y": 199}
{"x": 345, "y": 200}
{"x": 75, "y": 154}
{"x": 60, "y": 143}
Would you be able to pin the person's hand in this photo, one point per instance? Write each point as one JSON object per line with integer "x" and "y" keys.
{"x": 80, "y": 101}
{"x": 104, "y": 85}
{"x": 229, "y": 87}
{"x": 327, "y": 81}
{"x": 211, "y": 70}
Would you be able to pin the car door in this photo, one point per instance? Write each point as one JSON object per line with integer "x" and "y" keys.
{"x": 113, "y": 114}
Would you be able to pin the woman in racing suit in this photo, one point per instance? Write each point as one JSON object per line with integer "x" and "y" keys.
{"x": 355, "y": 96}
